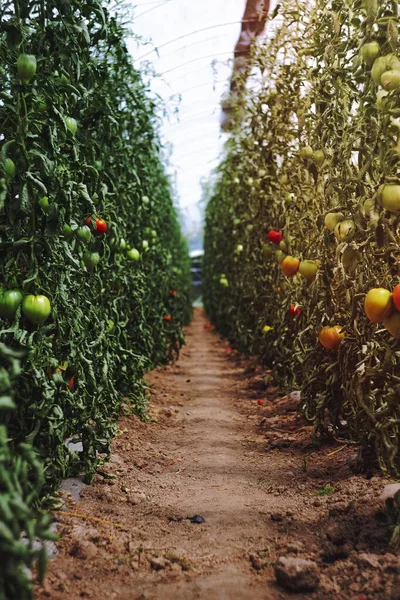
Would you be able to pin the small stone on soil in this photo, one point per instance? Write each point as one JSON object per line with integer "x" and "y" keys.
{"x": 297, "y": 574}
{"x": 197, "y": 519}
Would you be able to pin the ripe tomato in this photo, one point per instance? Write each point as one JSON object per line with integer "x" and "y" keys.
{"x": 36, "y": 309}
{"x": 260, "y": 401}
{"x": 9, "y": 303}
{"x": 378, "y": 304}
{"x": 167, "y": 318}
{"x": 392, "y": 324}
{"x": 290, "y": 266}
{"x": 294, "y": 310}
{"x": 71, "y": 383}
{"x": 100, "y": 225}
{"x": 330, "y": 337}
{"x": 309, "y": 269}
{"x": 26, "y": 65}
{"x": 390, "y": 196}
{"x": 173, "y": 293}
{"x": 396, "y": 296}
{"x": 275, "y": 236}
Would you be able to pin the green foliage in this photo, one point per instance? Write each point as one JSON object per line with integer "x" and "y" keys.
{"x": 79, "y": 140}
{"x": 310, "y": 138}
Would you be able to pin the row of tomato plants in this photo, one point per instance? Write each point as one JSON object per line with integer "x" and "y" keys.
{"x": 302, "y": 227}
{"x": 94, "y": 272}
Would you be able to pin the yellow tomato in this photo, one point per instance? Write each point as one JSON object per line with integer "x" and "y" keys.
{"x": 378, "y": 304}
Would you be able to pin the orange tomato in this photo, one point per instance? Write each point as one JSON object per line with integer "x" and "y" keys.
{"x": 290, "y": 266}
{"x": 330, "y": 337}
{"x": 378, "y": 304}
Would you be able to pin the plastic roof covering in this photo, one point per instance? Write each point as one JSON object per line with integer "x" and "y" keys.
{"x": 190, "y": 45}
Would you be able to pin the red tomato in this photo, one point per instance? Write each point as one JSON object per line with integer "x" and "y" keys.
{"x": 167, "y": 318}
{"x": 275, "y": 236}
{"x": 207, "y": 326}
{"x": 294, "y": 310}
{"x": 396, "y": 296}
{"x": 260, "y": 401}
{"x": 100, "y": 226}
{"x": 173, "y": 293}
{"x": 71, "y": 383}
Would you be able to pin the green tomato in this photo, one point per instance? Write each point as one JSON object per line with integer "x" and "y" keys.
{"x": 306, "y": 153}
{"x": 72, "y": 124}
{"x": 224, "y": 282}
{"x": 382, "y": 64}
{"x": 9, "y": 303}
{"x": 390, "y": 80}
{"x": 26, "y": 65}
{"x": 145, "y": 245}
{"x": 111, "y": 325}
{"x": 153, "y": 234}
{"x": 44, "y": 204}
{"x": 390, "y": 197}
{"x": 146, "y": 200}
{"x": 84, "y": 234}
{"x": 36, "y": 309}
{"x": 67, "y": 232}
{"x": 318, "y": 158}
{"x": 332, "y": 219}
{"x": 122, "y": 244}
{"x": 345, "y": 230}
{"x": 133, "y": 254}
{"x": 369, "y": 52}
{"x": 9, "y": 169}
{"x": 91, "y": 260}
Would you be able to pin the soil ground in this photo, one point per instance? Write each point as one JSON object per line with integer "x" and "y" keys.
{"x": 249, "y": 469}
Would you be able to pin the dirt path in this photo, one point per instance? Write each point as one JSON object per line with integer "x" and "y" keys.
{"x": 204, "y": 453}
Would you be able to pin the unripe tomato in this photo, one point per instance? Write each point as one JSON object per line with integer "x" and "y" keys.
{"x": 392, "y": 324}
{"x": 133, "y": 254}
{"x": 249, "y": 227}
{"x": 283, "y": 246}
{"x": 369, "y": 52}
{"x": 9, "y": 303}
{"x": 122, "y": 244}
{"x": 290, "y": 266}
{"x": 380, "y": 98}
{"x": 332, "y": 219}
{"x": 280, "y": 256}
{"x": 330, "y": 337}
{"x": 275, "y": 236}
{"x": 91, "y": 260}
{"x": 239, "y": 248}
{"x": 318, "y": 158}
{"x": 382, "y": 64}
{"x": 67, "y": 232}
{"x": 390, "y": 197}
{"x": 72, "y": 124}
{"x": 9, "y": 169}
{"x": 111, "y": 325}
{"x": 145, "y": 244}
{"x": 84, "y": 234}
{"x": 36, "y": 309}
{"x": 378, "y": 304}
{"x": 345, "y": 230}
{"x": 306, "y": 153}
{"x": 26, "y": 65}
{"x": 153, "y": 234}
{"x": 390, "y": 80}
{"x": 44, "y": 204}
{"x": 396, "y": 296}
{"x": 146, "y": 200}
{"x": 224, "y": 282}
{"x": 308, "y": 269}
